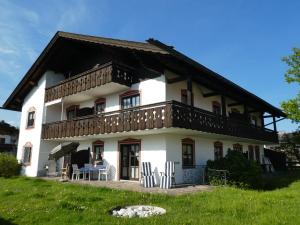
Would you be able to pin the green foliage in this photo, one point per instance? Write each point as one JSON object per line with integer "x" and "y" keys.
{"x": 242, "y": 172}
{"x": 9, "y": 166}
{"x": 34, "y": 201}
{"x": 292, "y": 107}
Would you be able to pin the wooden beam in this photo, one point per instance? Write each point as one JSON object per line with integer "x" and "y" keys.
{"x": 189, "y": 90}
{"x": 268, "y": 116}
{"x": 32, "y": 83}
{"x": 210, "y": 94}
{"x": 235, "y": 104}
{"x": 175, "y": 80}
{"x": 274, "y": 124}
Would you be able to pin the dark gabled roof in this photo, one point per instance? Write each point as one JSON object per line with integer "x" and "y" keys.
{"x": 153, "y": 47}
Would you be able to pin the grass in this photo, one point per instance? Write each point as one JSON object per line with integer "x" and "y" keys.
{"x": 35, "y": 201}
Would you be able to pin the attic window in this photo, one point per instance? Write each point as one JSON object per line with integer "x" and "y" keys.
{"x": 30, "y": 118}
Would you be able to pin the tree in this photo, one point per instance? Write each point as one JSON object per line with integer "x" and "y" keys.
{"x": 292, "y": 107}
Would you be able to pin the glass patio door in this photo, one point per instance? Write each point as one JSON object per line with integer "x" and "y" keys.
{"x": 129, "y": 161}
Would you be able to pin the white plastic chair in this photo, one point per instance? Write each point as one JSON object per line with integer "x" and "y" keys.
{"x": 76, "y": 172}
{"x": 104, "y": 172}
{"x": 87, "y": 167}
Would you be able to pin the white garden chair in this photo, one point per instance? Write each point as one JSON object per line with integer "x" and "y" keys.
{"x": 105, "y": 172}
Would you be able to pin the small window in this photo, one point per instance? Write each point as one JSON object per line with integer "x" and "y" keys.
{"x": 30, "y": 119}
{"x": 257, "y": 154}
{"x": 235, "y": 110}
{"x": 100, "y": 105}
{"x": 218, "y": 150}
{"x": 188, "y": 153}
{"x": 250, "y": 152}
{"x": 72, "y": 112}
{"x": 254, "y": 121}
{"x": 238, "y": 147}
{"x": 2, "y": 140}
{"x": 216, "y": 108}
{"x": 184, "y": 97}
{"x": 27, "y": 154}
{"x": 98, "y": 149}
{"x": 130, "y": 99}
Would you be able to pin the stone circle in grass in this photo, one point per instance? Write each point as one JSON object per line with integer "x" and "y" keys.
{"x": 140, "y": 211}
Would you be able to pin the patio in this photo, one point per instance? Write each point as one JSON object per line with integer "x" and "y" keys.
{"x": 135, "y": 186}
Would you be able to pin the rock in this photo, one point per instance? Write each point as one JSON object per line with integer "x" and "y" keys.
{"x": 138, "y": 211}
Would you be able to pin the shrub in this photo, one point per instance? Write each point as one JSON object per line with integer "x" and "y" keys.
{"x": 242, "y": 172}
{"x": 9, "y": 165}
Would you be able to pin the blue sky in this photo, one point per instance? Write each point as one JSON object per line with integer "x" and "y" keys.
{"x": 240, "y": 39}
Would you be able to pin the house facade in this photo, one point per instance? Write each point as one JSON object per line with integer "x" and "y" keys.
{"x": 130, "y": 102}
{"x": 8, "y": 138}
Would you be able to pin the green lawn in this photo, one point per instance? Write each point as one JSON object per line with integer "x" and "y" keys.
{"x": 35, "y": 201}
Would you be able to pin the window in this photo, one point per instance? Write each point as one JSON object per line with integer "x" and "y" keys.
{"x": 30, "y": 119}
{"x": 27, "y": 154}
{"x": 72, "y": 112}
{"x": 188, "y": 153}
{"x": 238, "y": 147}
{"x": 218, "y": 150}
{"x": 257, "y": 154}
{"x": 100, "y": 105}
{"x": 250, "y": 152}
{"x": 216, "y": 108}
{"x": 254, "y": 120}
{"x": 98, "y": 149}
{"x": 184, "y": 97}
{"x": 130, "y": 99}
{"x": 2, "y": 140}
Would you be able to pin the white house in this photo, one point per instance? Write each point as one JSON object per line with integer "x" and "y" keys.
{"x": 130, "y": 102}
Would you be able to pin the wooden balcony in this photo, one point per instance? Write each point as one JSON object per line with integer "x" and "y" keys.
{"x": 104, "y": 74}
{"x": 155, "y": 116}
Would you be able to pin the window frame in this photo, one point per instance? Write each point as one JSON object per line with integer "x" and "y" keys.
{"x": 188, "y": 141}
{"x": 184, "y": 95}
{"x": 27, "y": 145}
{"x": 257, "y": 156}
{"x": 218, "y": 144}
{"x": 216, "y": 104}
{"x": 95, "y": 144}
{"x": 130, "y": 94}
{"x": 31, "y": 110}
{"x": 251, "y": 152}
{"x": 97, "y": 102}
{"x": 234, "y": 146}
{"x": 71, "y": 108}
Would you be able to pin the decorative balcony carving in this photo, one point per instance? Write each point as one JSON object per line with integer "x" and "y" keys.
{"x": 155, "y": 116}
{"x": 109, "y": 72}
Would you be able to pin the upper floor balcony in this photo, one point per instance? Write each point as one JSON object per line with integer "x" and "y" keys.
{"x": 109, "y": 73}
{"x": 170, "y": 114}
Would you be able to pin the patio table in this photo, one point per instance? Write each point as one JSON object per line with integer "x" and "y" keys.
{"x": 91, "y": 170}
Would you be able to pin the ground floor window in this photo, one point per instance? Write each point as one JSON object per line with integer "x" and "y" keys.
{"x": 238, "y": 147}
{"x": 98, "y": 150}
{"x": 257, "y": 154}
{"x": 250, "y": 152}
{"x": 218, "y": 150}
{"x": 188, "y": 153}
{"x": 26, "y": 159}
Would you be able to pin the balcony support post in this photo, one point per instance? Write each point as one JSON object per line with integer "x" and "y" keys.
{"x": 262, "y": 121}
{"x": 189, "y": 90}
{"x": 223, "y": 102}
{"x": 274, "y": 124}
{"x": 246, "y": 112}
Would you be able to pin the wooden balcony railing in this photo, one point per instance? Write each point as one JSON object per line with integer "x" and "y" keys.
{"x": 109, "y": 72}
{"x": 160, "y": 115}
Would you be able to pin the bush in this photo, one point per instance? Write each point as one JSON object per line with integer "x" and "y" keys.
{"x": 9, "y": 165}
{"x": 242, "y": 172}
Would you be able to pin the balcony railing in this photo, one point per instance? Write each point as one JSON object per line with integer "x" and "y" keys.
{"x": 109, "y": 72}
{"x": 155, "y": 116}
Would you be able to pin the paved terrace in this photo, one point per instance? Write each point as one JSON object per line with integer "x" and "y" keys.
{"x": 135, "y": 186}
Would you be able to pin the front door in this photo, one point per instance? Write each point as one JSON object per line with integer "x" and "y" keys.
{"x": 129, "y": 168}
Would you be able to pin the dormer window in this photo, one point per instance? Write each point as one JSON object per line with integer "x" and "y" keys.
{"x": 100, "y": 105}
{"x": 30, "y": 118}
{"x": 72, "y": 112}
{"x": 216, "y": 108}
{"x": 130, "y": 99}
